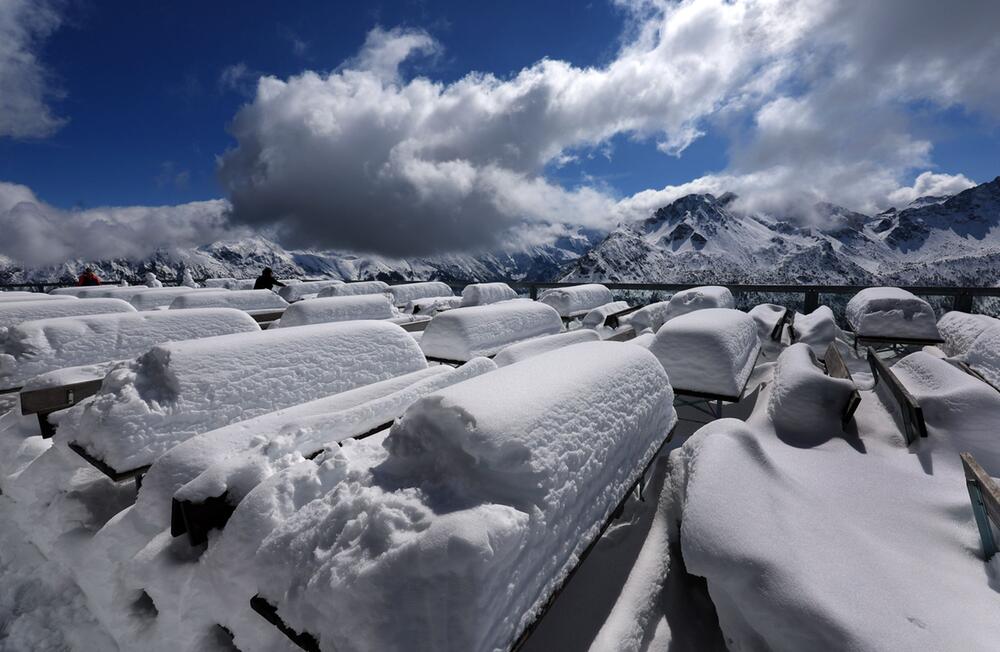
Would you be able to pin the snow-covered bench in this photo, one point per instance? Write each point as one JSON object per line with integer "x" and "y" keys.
{"x": 47, "y": 347}
{"x": 984, "y": 494}
{"x": 262, "y": 305}
{"x": 461, "y": 334}
{"x": 893, "y": 316}
{"x": 577, "y": 300}
{"x": 699, "y": 298}
{"x": 297, "y": 291}
{"x": 608, "y": 315}
{"x": 973, "y": 342}
{"x": 157, "y": 298}
{"x": 650, "y": 318}
{"x": 431, "y": 306}
{"x": 334, "y": 309}
{"x": 406, "y": 292}
{"x": 180, "y": 389}
{"x": 14, "y": 312}
{"x": 906, "y": 408}
{"x": 481, "y": 294}
{"x": 354, "y": 289}
{"x": 709, "y": 353}
{"x": 486, "y": 528}
{"x": 835, "y": 367}
{"x": 544, "y": 344}
{"x": 212, "y": 472}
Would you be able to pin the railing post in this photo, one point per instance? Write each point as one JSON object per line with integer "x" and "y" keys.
{"x": 812, "y": 301}
{"x": 963, "y": 302}
{"x": 534, "y": 292}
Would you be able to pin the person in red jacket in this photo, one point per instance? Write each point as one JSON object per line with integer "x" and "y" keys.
{"x": 88, "y": 278}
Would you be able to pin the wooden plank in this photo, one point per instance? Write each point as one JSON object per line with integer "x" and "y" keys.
{"x": 106, "y": 469}
{"x": 911, "y": 413}
{"x": 304, "y": 640}
{"x": 988, "y": 487}
{"x": 262, "y": 317}
{"x": 780, "y": 326}
{"x": 837, "y": 368}
{"x": 197, "y": 519}
{"x": 611, "y": 321}
{"x": 903, "y": 341}
{"x": 414, "y": 326}
{"x": 50, "y": 399}
{"x": 624, "y": 336}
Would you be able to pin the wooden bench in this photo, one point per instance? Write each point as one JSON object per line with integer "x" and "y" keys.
{"x": 787, "y": 317}
{"x": 310, "y": 643}
{"x": 837, "y": 368}
{"x": 896, "y": 344}
{"x": 43, "y": 402}
{"x": 912, "y": 416}
{"x": 984, "y": 493}
{"x": 611, "y": 321}
{"x": 266, "y": 316}
{"x": 112, "y": 473}
{"x": 972, "y": 372}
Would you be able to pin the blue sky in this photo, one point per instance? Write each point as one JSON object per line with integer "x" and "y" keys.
{"x": 147, "y": 113}
{"x": 590, "y": 114}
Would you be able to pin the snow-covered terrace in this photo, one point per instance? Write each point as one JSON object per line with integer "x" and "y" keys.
{"x": 606, "y": 467}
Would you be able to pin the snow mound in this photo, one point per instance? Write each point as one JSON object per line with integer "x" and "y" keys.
{"x": 13, "y": 313}
{"x": 159, "y": 297}
{"x": 41, "y": 346}
{"x": 707, "y": 296}
{"x": 407, "y": 292}
{"x": 577, "y": 298}
{"x": 538, "y": 345}
{"x": 431, "y": 306}
{"x": 465, "y": 333}
{"x": 817, "y": 329}
{"x": 804, "y": 404}
{"x": 297, "y": 291}
{"x": 960, "y": 329}
{"x": 180, "y": 389}
{"x": 766, "y": 316}
{"x": 354, "y": 289}
{"x": 333, "y": 309}
{"x": 984, "y": 356}
{"x": 711, "y": 351}
{"x": 491, "y": 490}
{"x": 595, "y": 318}
{"x": 650, "y": 317}
{"x": 891, "y": 312}
{"x": 480, "y": 294}
{"x": 32, "y": 296}
{"x": 246, "y": 300}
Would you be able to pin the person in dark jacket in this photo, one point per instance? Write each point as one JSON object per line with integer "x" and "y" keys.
{"x": 266, "y": 280}
{"x": 88, "y": 278}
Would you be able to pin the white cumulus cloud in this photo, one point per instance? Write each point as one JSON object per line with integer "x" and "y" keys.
{"x": 25, "y": 84}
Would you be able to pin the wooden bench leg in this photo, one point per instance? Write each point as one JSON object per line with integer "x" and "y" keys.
{"x": 982, "y": 519}
{"x": 48, "y": 430}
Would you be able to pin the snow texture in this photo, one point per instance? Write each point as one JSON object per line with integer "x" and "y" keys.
{"x": 297, "y": 291}
{"x": 354, "y": 289}
{"x": 650, "y": 317}
{"x": 891, "y": 312}
{"x": 708, "y": 296}
{"x": 14, "y": 312}
{"x": 711, "y": 350}
{"x": 538, "y": 345}
{"x": 247, "y": 300}
{"x": 180, "y": 389}
{"x": 817, "y": 329}
{"x": 480, "y": 294}
{"x": 465, "y": 333}
{"x": 959, "y": 330}
{"x": 407, "y": 292}
{"x": 595, "y": 318}
{"x": 333, "y": 309}
{"x": 984, "y": 356}
{"x": 577, "y": 298}
{"x": 811, "y": 540}
{"x": 491, "y": 490}
{"x": 44, "y": 345}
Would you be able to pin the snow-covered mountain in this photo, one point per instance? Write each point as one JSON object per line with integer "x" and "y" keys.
{"x": 702, "y": 238}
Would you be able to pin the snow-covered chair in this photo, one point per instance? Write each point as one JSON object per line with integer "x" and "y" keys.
{"x": 891, "y": 316}
{"x": 461, "y": 334}
{"x": 699, "y": 298}
{"x": 577, "y": 300}
{"x": 538, "y": 345}
{"x": 354, "y": 289}
{"x": 709, "y": 354}
{"x": 487, "y": 528}
{"x": 44, "y": 346}
{"x": 206, "y": 477}
{"x": 13, "y": 313}
{"x": 262, "y": 305}
{"x": 298, "y": 291}
{"x": 180, "y": 389}
{"x": 404, "y": 293}
{"x": 481, "y": 294}
{"x": 334, "y": 309}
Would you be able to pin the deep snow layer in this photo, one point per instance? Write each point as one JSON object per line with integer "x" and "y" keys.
{"x": 480, "y": 294}
{"x": 354, "y": 289}
{"x": 37, "y": 347}
{"x": 180, "y": 389}
{"x": 13, "y": 313}
{"x": 248, "y": 300}
{"x": 538, "y": 345}
{"x": 406, "y": 292}
{"x": 465, "y": 333}
{"x": 891, "y": 312}
{"x": 699, "y": 298}
{"x": 575, "y": 299}
{"x": 333, "y": 309}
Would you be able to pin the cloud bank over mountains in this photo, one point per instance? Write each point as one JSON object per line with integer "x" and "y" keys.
{"x": 815, "y": 96}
